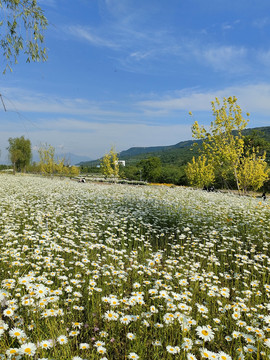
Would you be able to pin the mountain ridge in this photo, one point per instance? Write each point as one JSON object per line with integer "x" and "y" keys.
{"x": 178, "y": 153}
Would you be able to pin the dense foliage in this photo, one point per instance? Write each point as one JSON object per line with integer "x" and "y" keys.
{"x": 20, "y": 153}
{"x": 21, "y": 30}
{"x": 226, "y": 154}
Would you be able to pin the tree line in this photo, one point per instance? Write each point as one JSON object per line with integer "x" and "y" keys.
{"x": 225, "y": 158}
{"x": 20, "y": 155}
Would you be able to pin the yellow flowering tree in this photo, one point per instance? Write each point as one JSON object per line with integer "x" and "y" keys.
{"x": 223, "y": 144}
{"x": 109, "y": 164}
{"x": 252, "y": 171}
{"x": 48, "y": 165}
{"x": 199, "y": 172}
{"x": 46, "y": 159}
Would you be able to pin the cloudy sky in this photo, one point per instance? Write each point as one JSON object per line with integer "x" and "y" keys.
{"x": 127, "y": 72}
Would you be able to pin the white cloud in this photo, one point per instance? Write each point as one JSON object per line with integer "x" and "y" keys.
{"x": 252, "y": 98}
{"x": 146, "y": 123}
{"x": 85, "y": 33}
{"x": 27, "y": 102}
{"x": 94, "y": 139}
{"x": 264, "y": 58}
{"x": 261, "y": 22}
{"x": 225, "y": 58}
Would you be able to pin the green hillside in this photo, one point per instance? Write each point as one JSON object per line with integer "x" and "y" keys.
{"x": 172, "y": 154}
{"x": 177, "y": 155}
{"x": 265, "y": 132}
{"x": 166, "y": 164}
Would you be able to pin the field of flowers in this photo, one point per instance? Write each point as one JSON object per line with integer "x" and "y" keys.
{"x": 91, "y": 271}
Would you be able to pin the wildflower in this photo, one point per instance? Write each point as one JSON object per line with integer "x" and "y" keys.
{"x": 12, "y": 352}
{"x": 73, "y": 333}
{"x": 77, "y": 324}
{"x": 103, "y": 334}
{"x": 153, "y": 309}
{"x": 84, "y": 346}
{"x": 223, "y": 356}
{"x": 114, "y": 302}
{"x": 125, "y": 319}
{"x": 8, "y": 312}
{"x": 202, "y": 309}
{"x": 172, "y": 349}
{"x": 111, "y": 315}
{"x": 46, "y": 344}
{"x": 205, "y": 333}
{"x": 41, "y": 291}
{"x": 191, "y": 356}
{"x": 62, "y": 339}
{"x": 250, "y": 349}
{"x": 3, "y": 325}
{"x": 131, "y": 336}
{"x": 16, "y": 332}
{"x": 101, "y": 350}
{"x": 28, "y": 349}
{"x": 99, "y": 343}
{"x": 206, "y": 353}
{"x": 187, "y": 344}
{"x": 133, "y": 356}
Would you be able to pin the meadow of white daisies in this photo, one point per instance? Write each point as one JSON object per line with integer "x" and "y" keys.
{"x": 93, "y": 271}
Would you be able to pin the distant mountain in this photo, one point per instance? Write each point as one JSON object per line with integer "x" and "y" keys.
{"x": 178, "y": 154}
{"x": 134, "y": 151}
{"x": 264, "y": 132}
{"x": 70, "y": 158}
{"x": 73, "y": 159}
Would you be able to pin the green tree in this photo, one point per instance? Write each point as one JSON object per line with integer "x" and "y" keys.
{"x": 22, "y": 25}
{"x": 20, "y": 153}
{"x": 255, "y": 139}
{"x": 109, "y": 164}
{"x": 199, "y": 172}
{"x": 150, "y": 168}
{"x": 223, "y": 144}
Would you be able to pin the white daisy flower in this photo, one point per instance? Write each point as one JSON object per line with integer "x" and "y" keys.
{"x": 133, "y": 356}
{"x": 28, "y": 349}
{"x": 205, "y": 333}
{"x": 62, "y": 339}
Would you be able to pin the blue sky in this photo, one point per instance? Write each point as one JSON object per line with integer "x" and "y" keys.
{"x": 127, "y": 72}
